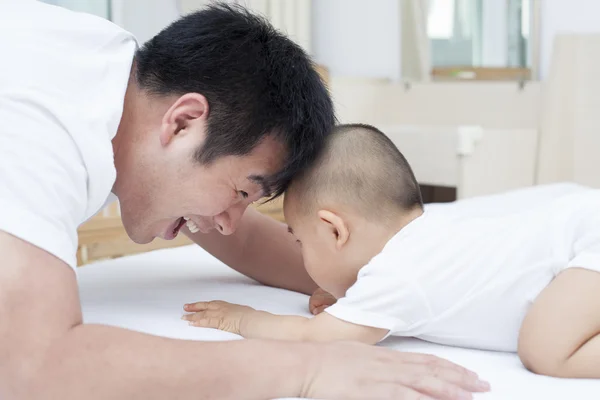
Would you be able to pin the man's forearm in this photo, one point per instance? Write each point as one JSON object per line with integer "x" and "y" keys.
{"x": 101, "y": 362}
{"x": 262, "y": 249}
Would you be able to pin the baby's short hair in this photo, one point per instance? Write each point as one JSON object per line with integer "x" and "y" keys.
{"x": 359, "y": 167}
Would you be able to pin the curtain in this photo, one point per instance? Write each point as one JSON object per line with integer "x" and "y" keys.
{"x": 292, "y": 17}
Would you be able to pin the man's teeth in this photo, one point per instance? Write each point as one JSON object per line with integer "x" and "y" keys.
{"x": 192, "y": 226}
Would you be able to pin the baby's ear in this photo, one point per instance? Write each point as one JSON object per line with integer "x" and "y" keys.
{"x": 337, "y": 225}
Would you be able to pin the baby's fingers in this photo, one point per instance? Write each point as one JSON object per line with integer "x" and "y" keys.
{"x": 204, "y": 319}
{"x": 214, "y": 319}
{"x": 194, "y": 307}
{"x": 202, "y": 306}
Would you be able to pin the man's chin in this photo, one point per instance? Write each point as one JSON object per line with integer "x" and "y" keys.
{"x": 142, "y": 240}
{"x": 138, "y": 237}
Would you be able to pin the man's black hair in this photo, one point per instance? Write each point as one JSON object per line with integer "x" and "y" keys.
{"x": 257, "y": 82}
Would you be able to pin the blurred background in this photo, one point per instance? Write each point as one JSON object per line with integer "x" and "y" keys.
{"x": 482, "y": 96}
{"x": 394, "y": 39}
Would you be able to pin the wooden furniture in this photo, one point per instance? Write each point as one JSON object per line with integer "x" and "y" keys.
{"x": 480, "y": 73}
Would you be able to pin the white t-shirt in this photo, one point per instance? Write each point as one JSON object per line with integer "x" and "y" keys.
{"x": 63, "y": 78}
{"x": 465, "y": 273}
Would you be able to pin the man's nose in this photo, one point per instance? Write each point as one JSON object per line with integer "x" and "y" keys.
{"x": 228, "y": 221}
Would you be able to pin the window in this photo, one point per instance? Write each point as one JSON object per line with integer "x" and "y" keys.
{"x": 490, "y": 37}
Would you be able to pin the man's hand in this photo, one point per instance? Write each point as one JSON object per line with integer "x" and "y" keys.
{"x": 357, "y": 371}
{"x": 319, "y": 301}
{"x": 218, "y": 315}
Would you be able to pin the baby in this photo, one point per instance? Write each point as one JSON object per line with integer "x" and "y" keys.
{"x": 523, "y": 277}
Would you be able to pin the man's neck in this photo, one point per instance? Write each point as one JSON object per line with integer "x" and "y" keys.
{"x": 127, "y": 116}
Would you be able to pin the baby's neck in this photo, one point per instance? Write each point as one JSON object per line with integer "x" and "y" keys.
{"x": 374, "y": 235}
{"x": 405, "y": 218}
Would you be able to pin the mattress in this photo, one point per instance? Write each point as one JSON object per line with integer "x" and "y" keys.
{"x": 146, "y": 293}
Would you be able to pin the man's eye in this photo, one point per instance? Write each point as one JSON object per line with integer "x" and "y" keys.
{"x": 244, "y": 194}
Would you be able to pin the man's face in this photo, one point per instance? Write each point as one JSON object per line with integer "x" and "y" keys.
{"x": 159, "y": 183}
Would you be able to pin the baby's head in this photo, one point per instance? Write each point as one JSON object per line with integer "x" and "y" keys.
{"x": 343, "y": 210}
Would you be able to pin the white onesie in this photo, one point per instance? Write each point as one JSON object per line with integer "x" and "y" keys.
{"x": 465, "y": 273}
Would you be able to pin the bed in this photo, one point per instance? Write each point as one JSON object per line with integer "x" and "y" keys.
{"x": 145, "y": 292}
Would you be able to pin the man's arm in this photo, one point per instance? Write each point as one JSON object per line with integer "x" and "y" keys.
{"x": 47, "y": 353}
{"x": 253, "y": 324}
{"x": 262, "y": 249}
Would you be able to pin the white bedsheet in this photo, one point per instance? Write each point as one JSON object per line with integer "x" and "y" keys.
{"x": 146, "y": 293}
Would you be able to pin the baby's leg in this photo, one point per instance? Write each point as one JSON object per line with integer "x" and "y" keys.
{"x": 560, "y": 335}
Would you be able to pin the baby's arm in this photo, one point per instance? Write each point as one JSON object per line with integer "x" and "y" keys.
{"x": 560, "y": 335}
{"x": 253, "y": 324}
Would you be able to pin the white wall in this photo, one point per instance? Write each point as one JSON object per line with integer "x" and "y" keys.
{"x": 565, "y": 16}
{"x": 357, "y": 37}
{"x": 144, "y": 18}
{"x": 96, "y": 7}
{"x": 351, "y": 37}
{"x": 493, "y": 105}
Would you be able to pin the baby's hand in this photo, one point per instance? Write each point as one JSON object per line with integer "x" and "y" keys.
{"x": 217, "y": 315}
{"x": 319, "y": 301}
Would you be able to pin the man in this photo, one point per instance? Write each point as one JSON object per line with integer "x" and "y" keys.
{"x": 215, "y": 112}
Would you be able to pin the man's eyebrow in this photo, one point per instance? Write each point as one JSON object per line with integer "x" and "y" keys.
{"x": 262, "y": 181}
{"x": 290, "y": 230}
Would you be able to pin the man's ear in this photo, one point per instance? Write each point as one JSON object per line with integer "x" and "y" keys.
{"x": 185, "y": 111}
{"x": 337, "y": 225}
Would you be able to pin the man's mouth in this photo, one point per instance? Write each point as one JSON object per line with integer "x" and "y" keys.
{"x": 180, "y": 222}
{"x": 191, "y": 225}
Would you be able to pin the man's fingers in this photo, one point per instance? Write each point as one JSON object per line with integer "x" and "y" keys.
{"x": 441, "y": 382}
{"x": 435, "y": 387}
{"x": 318, "y": 302}
{"x": 315, "y": 301}
{"x": 313, "y": 305}
{"x": 395, "y": 391}
{"x": 426, "y": 359}
{"x": 319, "y": 310}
